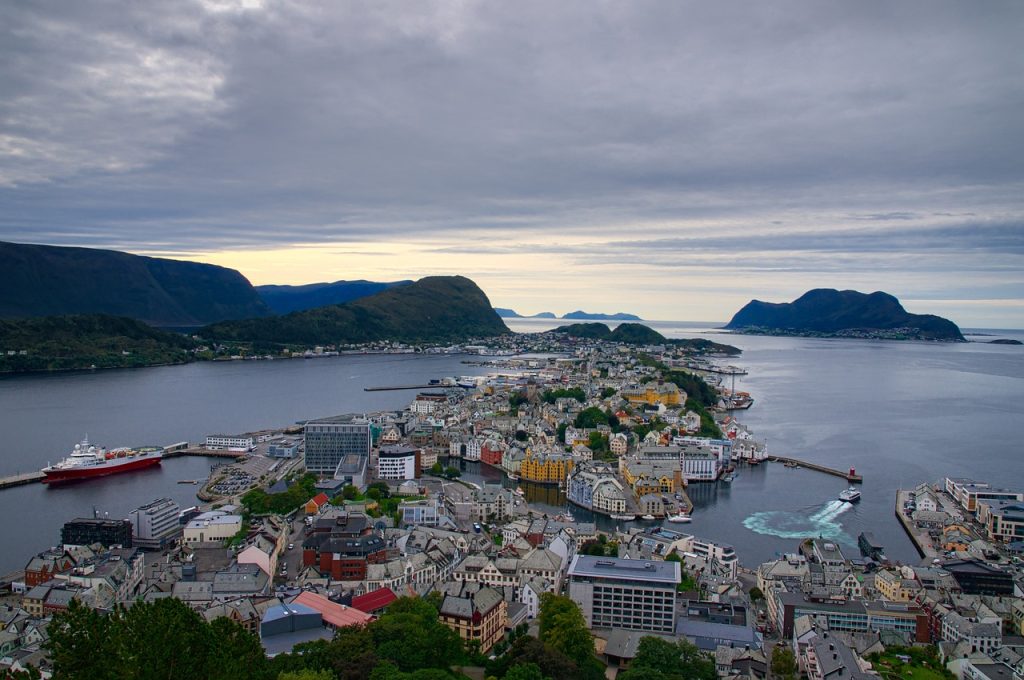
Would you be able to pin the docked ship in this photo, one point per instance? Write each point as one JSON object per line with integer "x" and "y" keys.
{"x": 87, "y": 460}
{"x": 851, "y": 495}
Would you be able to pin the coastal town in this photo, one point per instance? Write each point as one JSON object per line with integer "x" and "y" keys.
{"x": 584, "y": 452}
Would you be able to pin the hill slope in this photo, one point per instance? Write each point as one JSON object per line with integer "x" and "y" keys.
{"x": 849, "y": 313}
{"x": 70, "y": 342}
{"x": 285, "y": 299}
{"x": 433, "y": 309}
{"x": 53, "y": 280}
{"x": 639, "y": 334}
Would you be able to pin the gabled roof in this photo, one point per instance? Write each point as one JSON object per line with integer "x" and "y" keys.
{"x": 374, "y": 600}
{"x": 334, "y": 614}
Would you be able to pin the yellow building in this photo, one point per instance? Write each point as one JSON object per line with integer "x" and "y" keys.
{"x": 652, "y": 476}
{"x": 895, "y": 586}
{"x": 955, "y": 538}
{"x": 654, "y": 392}
{"x": 551, "y": 468}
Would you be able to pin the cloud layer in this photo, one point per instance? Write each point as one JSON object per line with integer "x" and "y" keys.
{"x": 530, "y": 144}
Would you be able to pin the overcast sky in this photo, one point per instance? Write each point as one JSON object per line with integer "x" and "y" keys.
{"x": 672, "y": 159}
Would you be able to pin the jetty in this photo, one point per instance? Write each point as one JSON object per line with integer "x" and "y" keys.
{"x": 23, "y": 478}
{"x": 919, "y": 537}
{"x": 204, "y": 453}
{"x": 386, "y": 388}
{"x": 849, "y": 475}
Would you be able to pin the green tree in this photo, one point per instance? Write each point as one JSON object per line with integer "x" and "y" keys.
{"x": 234, "y": 652}
{"x": 82, "y": 645}
{"x": 591, "y": 417}
{"x": 436, "y": 469}
{"x": 452, "y": 472}
{"x": 524, "y": 671}
{"x": 563, "y": 627}
{"x": 411, "y": 636}
{"x": 350, "y": 493}
{"x": 659, "y": 659}
{"x": 306, "y": 675}
{"x": 529, "y": 650}
{"x": 783, "y": 662}
{"x": 607, "y": 392}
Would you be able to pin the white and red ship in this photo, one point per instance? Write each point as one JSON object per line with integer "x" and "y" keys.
{"x": 87, "y": 460}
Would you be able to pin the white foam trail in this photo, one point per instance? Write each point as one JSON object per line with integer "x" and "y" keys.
{"x": 797, "y": 525}
{"x": 831, "y": 510}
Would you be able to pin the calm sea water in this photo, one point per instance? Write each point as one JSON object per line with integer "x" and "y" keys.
{"x": 899, "y": 412}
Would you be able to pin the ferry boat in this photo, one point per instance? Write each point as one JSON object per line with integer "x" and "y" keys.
{"x": 87, "y": 460}
{"x": 738, "y": 401}
{"x": 851, "y": 495}
{"x": 680, "y": 518}
{"x": 625, "y": 518}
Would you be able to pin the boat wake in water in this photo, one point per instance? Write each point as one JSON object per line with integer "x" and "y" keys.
{"x": 823, "y": 522}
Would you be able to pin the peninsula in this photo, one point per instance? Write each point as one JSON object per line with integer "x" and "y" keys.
{"x": 433, "y": 309}
{"x": 825, "y": 312}
{"x": 639, "y": 334}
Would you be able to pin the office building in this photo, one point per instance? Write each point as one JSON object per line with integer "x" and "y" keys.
{"x": 155, "y": 524}
{"x": 330, "y": 440}
{"x": 630, "y": 594}
{"x": 89, "y": 530}
{"x": 398, "y": 462}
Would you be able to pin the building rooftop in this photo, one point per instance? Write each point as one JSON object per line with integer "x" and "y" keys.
{"x": 637, "y": 570}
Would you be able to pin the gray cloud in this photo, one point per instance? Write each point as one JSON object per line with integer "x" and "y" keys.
{"x": 866, "y": 129}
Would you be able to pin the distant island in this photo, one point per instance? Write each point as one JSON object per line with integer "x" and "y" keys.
{"x": 620, "y": 316}
{"x": 506, "y": 313}
{"x": 639, "y": 334}
{"x": 433, "y": 309}
{"x": 826, "y": 312}
{"x": 41, "y": 280}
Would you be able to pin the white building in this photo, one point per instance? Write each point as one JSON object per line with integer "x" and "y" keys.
{"x": 399, "y": 462}
{"x": 699, "y": 464}
{"x": 230, "y": 442}
{"x": 215, "y": 525}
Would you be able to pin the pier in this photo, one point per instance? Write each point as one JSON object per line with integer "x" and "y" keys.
{"x": 205, "y": 453}
{"x": 848, "y": 475}
{"x": 18, "y": 480}
{"x": 921, "y": 540}
{"x": 386, "y": 388}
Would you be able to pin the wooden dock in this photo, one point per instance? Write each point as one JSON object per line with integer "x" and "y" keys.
{"x": 18, "y": 480}
{"x": 845, "y": 474}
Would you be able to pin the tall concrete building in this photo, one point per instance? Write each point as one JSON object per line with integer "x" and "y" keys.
{"x": 630, "y": 594}
{"x": 329, "y": 440}
{"x": 155, "y": 524}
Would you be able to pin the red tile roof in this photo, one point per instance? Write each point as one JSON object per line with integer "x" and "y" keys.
{"x": 375, "y": 600}
{"x": 334, "y": 614}
{"x": 320, "y": 499}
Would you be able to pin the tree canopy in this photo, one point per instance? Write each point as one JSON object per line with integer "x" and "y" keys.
{"x": 660, "y": 659}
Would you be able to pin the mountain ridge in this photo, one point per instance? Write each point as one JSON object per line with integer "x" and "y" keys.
{"x": 432, "y": 309}
{"x": 42, "y": 280}
{"x": 283, "y": 299}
